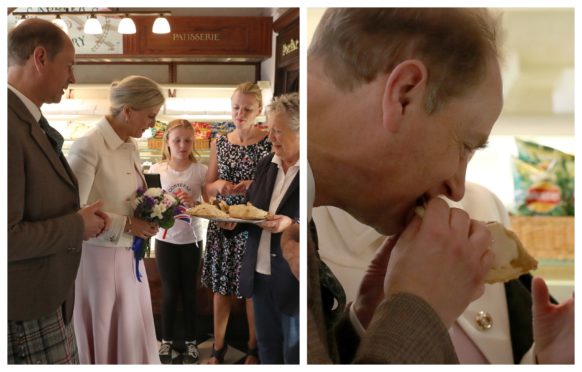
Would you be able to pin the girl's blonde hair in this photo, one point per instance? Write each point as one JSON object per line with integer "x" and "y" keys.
{"x": 136, "y": 92}
{"x": 178, "y": 123}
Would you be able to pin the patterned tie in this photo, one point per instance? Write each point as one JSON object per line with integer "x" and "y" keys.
{"x": 54, "y": 136}
{"x": 331, "y": 288}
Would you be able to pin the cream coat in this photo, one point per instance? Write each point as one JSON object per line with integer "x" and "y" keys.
{"x": 111, "y": 183}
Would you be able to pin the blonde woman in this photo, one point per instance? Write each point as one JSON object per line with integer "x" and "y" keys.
{"x": 178, "y": 249}
{"x": 113, "y": 317}
{"x": 233, "y": 161}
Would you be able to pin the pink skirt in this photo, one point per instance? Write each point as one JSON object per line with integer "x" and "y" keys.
{"x": 114, "y": 322}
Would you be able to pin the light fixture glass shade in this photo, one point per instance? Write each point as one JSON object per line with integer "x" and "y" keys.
{"x": 60, "y": 23}
{"x": 126, "y": 26}
{"x": 20, "y": 20}
{"x": 161, "y": 25}
{"x": 92, "y": 26}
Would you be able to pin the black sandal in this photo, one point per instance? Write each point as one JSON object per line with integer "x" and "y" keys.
{"x": 219, "y": 354}
{"x": 254, "y": 353}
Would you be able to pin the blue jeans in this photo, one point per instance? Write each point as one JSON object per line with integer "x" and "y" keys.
{"x": 277, "y": 333}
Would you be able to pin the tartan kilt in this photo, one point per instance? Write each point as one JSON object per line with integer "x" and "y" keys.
{"x": 47, "y": 340}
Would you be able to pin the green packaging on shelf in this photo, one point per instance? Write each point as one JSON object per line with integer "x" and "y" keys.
{"x": 543, "y": 180}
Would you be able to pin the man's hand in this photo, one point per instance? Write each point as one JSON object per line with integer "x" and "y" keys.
{"x": 442, "y": 258}
{"x": 94, "y": 220}
{"x": 371, "y": 291}
{"x": 553, "y": 326}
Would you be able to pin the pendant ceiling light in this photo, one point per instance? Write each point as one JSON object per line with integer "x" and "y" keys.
{"x": 92, "y": 26}
{"x": 59, "y": 22}
{"x": 126, "y": 26}
{"x": 161, "y": 25}
{"x": 22, "y": 19}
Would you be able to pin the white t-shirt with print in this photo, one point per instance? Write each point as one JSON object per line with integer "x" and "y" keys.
{"x": 191, "y": 180}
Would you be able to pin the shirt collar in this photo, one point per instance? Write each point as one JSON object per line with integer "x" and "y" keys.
{"x": 111, "y": 138}
{"x": 277, "y": 160}
{"x": 34, "y": 110}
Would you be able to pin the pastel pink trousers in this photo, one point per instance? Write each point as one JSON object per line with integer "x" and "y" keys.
{"x": 113, "y": 316}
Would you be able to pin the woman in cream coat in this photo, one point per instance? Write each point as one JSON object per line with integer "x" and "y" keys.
{"x": 113, "y": 316}
{"x": 503, "y": 334}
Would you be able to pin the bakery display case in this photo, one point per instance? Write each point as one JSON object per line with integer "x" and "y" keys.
{"x": 207, "y": 107}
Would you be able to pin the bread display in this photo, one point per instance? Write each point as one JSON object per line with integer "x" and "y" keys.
{"x": 247, "y": 212}
{"x": 206, "y": 210}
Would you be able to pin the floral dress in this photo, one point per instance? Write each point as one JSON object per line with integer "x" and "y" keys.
{"x": 223, "y": 255}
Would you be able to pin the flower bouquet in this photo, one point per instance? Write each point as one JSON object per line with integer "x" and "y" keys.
{"x": 152, "y": 205}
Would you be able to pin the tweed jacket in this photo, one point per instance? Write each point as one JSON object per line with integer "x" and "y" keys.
{"x": 45, "y": 232}
{"x": 260, "y": 192}
{"x": 403, "y": 330}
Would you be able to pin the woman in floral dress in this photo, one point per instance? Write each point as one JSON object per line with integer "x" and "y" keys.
{"x": 233, "y": 159}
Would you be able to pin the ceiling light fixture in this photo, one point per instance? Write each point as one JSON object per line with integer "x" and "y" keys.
{"x": 92, "y": 26}
{"x": 126, "y": 26}
{"x": 59, "y": 22}
{"x": 22, "y": 19}
{"x": 161, "y": 25}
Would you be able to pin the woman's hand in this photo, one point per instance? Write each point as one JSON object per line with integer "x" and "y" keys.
{"x": 276, "y": 224}
{"x": 140, "y": 228}
{"x": 184, "y": 198}
{"x": 553, "y": 326}
{"x": 242, "y": 187}
{"x": 226, "y": 225}
{"x": 223, "y": 187}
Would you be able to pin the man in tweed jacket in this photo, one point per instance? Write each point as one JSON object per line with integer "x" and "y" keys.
{"x": 398, "y": 101}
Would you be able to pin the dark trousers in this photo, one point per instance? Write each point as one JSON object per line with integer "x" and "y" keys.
{"x": 178, "y": 266}
{"x": 277, "y": 333}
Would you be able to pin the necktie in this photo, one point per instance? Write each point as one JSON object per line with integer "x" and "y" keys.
{"x": 54, "y": 136}
{"x": 331, "y": 288}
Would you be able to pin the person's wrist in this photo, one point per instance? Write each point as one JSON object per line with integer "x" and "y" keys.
{"x": 129, "y": 225}
{"x": 362, "y": 313}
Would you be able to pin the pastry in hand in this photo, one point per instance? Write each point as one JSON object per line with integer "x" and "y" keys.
{"x": 247, "y": 212}
{"x": 511, "y": 258}
{"x": 206, "y": 210}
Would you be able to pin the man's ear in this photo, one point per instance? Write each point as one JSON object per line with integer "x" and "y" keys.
{"x": 40, "y": 58}
{"x": 406, "y": 85}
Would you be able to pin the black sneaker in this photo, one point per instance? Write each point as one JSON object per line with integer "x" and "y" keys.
{"x": 191, "y": 355}
{"x": 165, "y": 353}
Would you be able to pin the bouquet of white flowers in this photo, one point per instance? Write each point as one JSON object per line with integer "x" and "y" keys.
{"x": 152, "y": 205}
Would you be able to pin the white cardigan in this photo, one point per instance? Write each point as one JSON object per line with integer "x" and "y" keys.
{"x": 106, "y": 169}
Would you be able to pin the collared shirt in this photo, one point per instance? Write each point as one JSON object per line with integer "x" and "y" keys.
{"x": 34, "y": 110}
{"x": 282, "y": 183}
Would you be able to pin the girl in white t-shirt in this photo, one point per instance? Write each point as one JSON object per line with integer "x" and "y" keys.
{"x": 178, "y": 250}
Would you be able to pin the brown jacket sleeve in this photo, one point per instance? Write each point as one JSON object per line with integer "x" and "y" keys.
{"x": 404, "y": 330}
